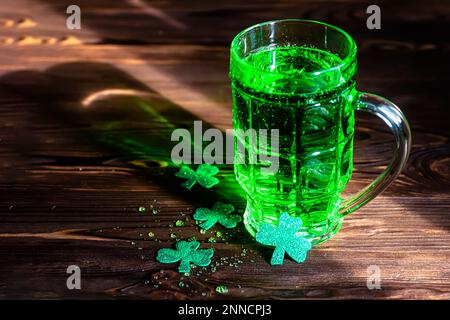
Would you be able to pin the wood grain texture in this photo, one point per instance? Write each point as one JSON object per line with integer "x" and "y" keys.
{"x": 73, "y": 177}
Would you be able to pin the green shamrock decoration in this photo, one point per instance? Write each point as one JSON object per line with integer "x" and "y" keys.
{"x": 220, "y": 213}
{"x": 203, "y": 175}
{"x": 284, "y": 239}
{"x": 186, "y": 252}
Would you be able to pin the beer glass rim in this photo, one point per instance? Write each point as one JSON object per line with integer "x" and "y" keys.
{"x": 346, "y": 61}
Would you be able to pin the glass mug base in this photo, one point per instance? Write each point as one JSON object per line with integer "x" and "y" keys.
{"x": 316, "y": 235}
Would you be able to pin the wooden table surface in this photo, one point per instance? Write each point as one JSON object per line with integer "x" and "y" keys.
{"x": 72, "y": 176}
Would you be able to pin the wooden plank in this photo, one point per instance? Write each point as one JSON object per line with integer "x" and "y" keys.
{"x": 73, "y": 177}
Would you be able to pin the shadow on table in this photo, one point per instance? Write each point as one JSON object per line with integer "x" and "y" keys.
{"x": 116, "y": 115}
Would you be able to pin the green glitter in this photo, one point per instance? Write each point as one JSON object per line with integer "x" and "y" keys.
{"x": 222, "y": 289}
{"x": 142, "y": 209}
{"x": 186, "y": 252}
{"x": 285, "y": 239}
{"x": 179, "y": 223}
{"x": 202, "y": 231}
{"x": 212, "y": 240}
{"x": 173, "y": 235}
{"x": 219, "y": 234}
{"x": 204, "y": 176}
{"x": 220, "y": 213}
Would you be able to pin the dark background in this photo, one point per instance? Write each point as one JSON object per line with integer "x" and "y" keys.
{"x": 73, "y": 177}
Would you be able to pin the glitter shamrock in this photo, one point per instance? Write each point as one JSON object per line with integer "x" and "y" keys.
{"x": 186, "y": 252}
{"x": 203, "y": 175}
{"x": 222, "y": 289}
{"x": 220, "y": 213}
{"x": 284, "y": 239}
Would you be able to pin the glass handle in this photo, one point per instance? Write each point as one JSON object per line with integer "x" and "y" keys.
{"x": 399, "y": 126}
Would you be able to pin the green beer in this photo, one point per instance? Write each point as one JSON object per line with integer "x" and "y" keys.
{"x": 315, "y": 138}
{"x": 298, "y": 77}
